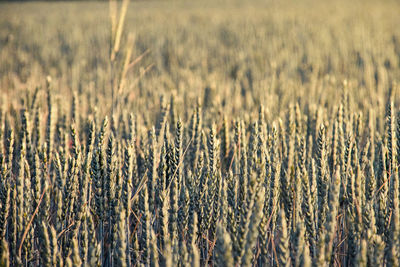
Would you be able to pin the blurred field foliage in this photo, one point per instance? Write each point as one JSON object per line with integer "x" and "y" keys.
{"x": 253, "y": 133}
{"x": 292, "y": 51}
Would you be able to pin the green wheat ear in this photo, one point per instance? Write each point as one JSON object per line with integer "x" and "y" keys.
{"x": 223, "y": 247}
{"x": 283, "y": 240}
{"x": 4, "y": 257}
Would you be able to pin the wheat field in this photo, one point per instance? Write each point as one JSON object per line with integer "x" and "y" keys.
{"x": 200, "y": 133}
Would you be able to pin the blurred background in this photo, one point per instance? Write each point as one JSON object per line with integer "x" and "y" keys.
{"x": 242, "y": 54}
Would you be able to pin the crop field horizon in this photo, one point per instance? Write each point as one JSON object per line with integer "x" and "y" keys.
{"x": 200, "y": 133}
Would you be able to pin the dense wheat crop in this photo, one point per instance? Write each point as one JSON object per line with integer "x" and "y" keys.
{"x": 215, "y": 133}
